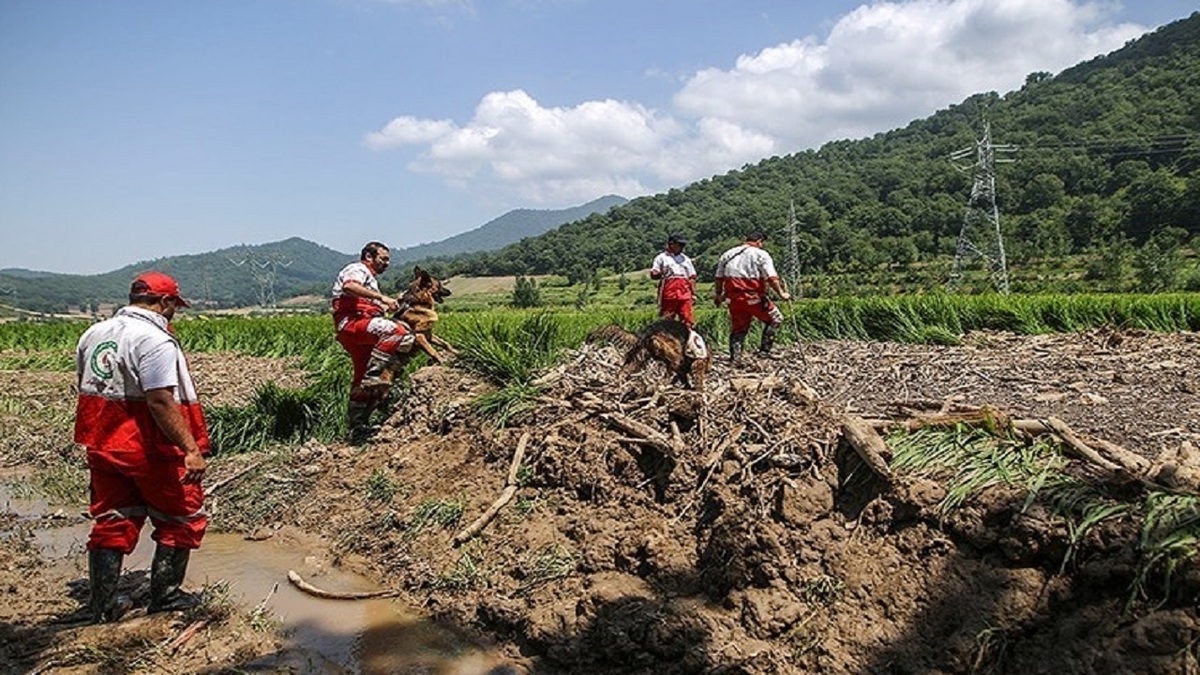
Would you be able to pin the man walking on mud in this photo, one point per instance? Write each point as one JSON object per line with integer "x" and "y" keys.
{"x": 744, "y": 273}
{"x": 372, "y": 340}
{"x": 676, "y": 278}
{"x": 139, "y": 416}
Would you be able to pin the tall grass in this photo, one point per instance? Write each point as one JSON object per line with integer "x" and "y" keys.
{"x": 969, "y": 461}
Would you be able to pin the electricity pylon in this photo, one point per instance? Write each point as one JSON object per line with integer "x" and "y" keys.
{"x": 980, "y": 234}
{"x": 263, "y": 269}
{"x": 791, "y": 263}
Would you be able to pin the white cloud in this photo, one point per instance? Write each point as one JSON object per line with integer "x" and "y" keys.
{"x": 881, "y": 66}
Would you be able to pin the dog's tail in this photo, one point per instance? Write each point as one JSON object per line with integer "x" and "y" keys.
{"x": 613, "y": 335}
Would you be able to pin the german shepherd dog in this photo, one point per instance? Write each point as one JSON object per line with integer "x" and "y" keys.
{"x": 665, "y": 341}
{"x": 417, "y": 310}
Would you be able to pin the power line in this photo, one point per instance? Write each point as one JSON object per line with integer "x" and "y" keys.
{"x": 263, "y": 269}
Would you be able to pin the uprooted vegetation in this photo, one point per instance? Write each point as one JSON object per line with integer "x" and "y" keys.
{"x": 649, "y": 529}
{"x": 627, "y": 526}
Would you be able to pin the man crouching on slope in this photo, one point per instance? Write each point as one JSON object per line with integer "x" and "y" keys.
{"x": 371, "y": 339}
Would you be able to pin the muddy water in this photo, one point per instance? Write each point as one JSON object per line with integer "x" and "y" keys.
{"x": 362, "y": 636}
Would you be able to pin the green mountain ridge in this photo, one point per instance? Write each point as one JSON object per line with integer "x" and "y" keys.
{"x": 1106, "y": 171}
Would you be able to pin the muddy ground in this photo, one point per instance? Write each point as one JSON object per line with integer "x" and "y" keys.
{"x": 730, "y": 533}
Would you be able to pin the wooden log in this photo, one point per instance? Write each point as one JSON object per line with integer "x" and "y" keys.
{"x": 869, "y": 445}
{"x": 510, "y": 490}
{"x": 518, "y": 457}
{"x": 634, "y": 428}
{"x": 308, "y": 588}
{"x": 1076, "y": 446}
{"x": 481, "y": 522}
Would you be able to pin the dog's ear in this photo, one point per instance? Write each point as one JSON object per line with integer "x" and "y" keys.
{"x": 422, "y": 276}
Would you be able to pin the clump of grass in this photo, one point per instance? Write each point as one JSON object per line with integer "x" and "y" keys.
{"x": 216, "y": 604}
{"x": 554, "y": 561}
{"x": 443, "y": 513}
{"x": 974, "y": 459}
{"x": 991, "y": 645}
{"x": 466, "y": 573}
{"x": 1170, "y": 536}
{"x": 507, "y": 405}
{"x": 822, "y": 589}
{"x": 381, "y": 487}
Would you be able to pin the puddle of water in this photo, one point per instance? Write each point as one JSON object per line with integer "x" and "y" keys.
{"x": 355, "y": 636}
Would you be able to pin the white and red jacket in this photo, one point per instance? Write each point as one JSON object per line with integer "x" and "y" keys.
{"x": 743, "y": 271}
{"x": 675, "y": 273}
{"x": 116, "y": 362}
{"x": 347, "y": 306}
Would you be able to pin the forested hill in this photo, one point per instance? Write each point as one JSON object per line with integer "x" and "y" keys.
{"x": 230, "y": 277}
{"x": 507, "y": 229}
{"x": 1106, "y": 165}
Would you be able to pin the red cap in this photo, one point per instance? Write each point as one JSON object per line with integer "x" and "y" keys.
{"x": 157, "y": 283}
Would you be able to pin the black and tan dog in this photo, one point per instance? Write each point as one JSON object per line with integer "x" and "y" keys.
{"x": 418, "y": 311}
{"x": 667, "y": 341}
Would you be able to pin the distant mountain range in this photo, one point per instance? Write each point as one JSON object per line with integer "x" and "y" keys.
{"x": 267, "y": 273}
{"x": 507, "y": 229}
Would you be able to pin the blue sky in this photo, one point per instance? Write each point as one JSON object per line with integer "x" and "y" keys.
{"x": 134, "y": 129}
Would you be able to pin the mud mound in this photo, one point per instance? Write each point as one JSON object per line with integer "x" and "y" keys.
{"x": 651, "y": 529}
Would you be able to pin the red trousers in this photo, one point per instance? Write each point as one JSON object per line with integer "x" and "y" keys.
{"x": 129, "y": 485}
{"x": 359, "y": 336}
{"x": 744, "y": 309}
{"x": 681, "y": 307}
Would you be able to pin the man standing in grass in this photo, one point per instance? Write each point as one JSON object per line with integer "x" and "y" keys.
{"x": 676, "y": 278}
{"x": 744, "y": 273}
{"x": 139, "y": 416}
{"x": 371, "y": 339}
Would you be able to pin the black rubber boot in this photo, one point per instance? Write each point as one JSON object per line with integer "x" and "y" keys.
{"x": 768, "y": 339}
{"x": 736, "y": 342}
{"x": 166, "y": 578}
{"x": 380, "y": 370}
{"x": 358, "y": 420}
{"x": 104, "y": 572}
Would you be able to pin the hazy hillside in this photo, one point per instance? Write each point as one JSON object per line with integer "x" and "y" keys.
{"x": 1107, "y": 157}
{"x": 507, "y": 229}
{"x": 265, "y": 273}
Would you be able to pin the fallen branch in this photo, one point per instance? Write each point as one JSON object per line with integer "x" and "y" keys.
{"x": 510, "y": 491}
{"x": 869, "y": 445}
{"x": 1076, "y": 445}
{"x": 212, "y": 489}
{"x": 308, "y": 588}
{"x": 639, "y": 430}
{"x": 187, "y": 634}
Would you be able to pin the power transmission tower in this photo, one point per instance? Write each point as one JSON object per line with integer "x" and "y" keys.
{"x": 980, "y": 234}
{"x": 263, "y": 269}
{"x": 791, "y": 263}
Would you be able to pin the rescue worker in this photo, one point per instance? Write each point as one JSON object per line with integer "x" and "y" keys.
{"x": 139, "y": 416}
{"x": 744, "y": 274}
{"x": 371, "y": 339}
{"x": 676, "y": 278}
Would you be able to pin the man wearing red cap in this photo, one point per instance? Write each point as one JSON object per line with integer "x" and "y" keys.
{"x": 372, "y": 340}
{"x": 676, "y": 276}
{"x": 139, "y": 416}
{"x": 744, "y": 273}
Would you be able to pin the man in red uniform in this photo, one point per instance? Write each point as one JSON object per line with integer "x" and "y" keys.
{"x": 744, "y": 273}
{"x": 140, "y": 419}
{"x": 676, "y": 278}
{"x": 371, "y": 339}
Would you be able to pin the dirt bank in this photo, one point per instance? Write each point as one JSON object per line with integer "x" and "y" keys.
{"x": 654, "y": 530}
{"x": 739, "y": 534}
